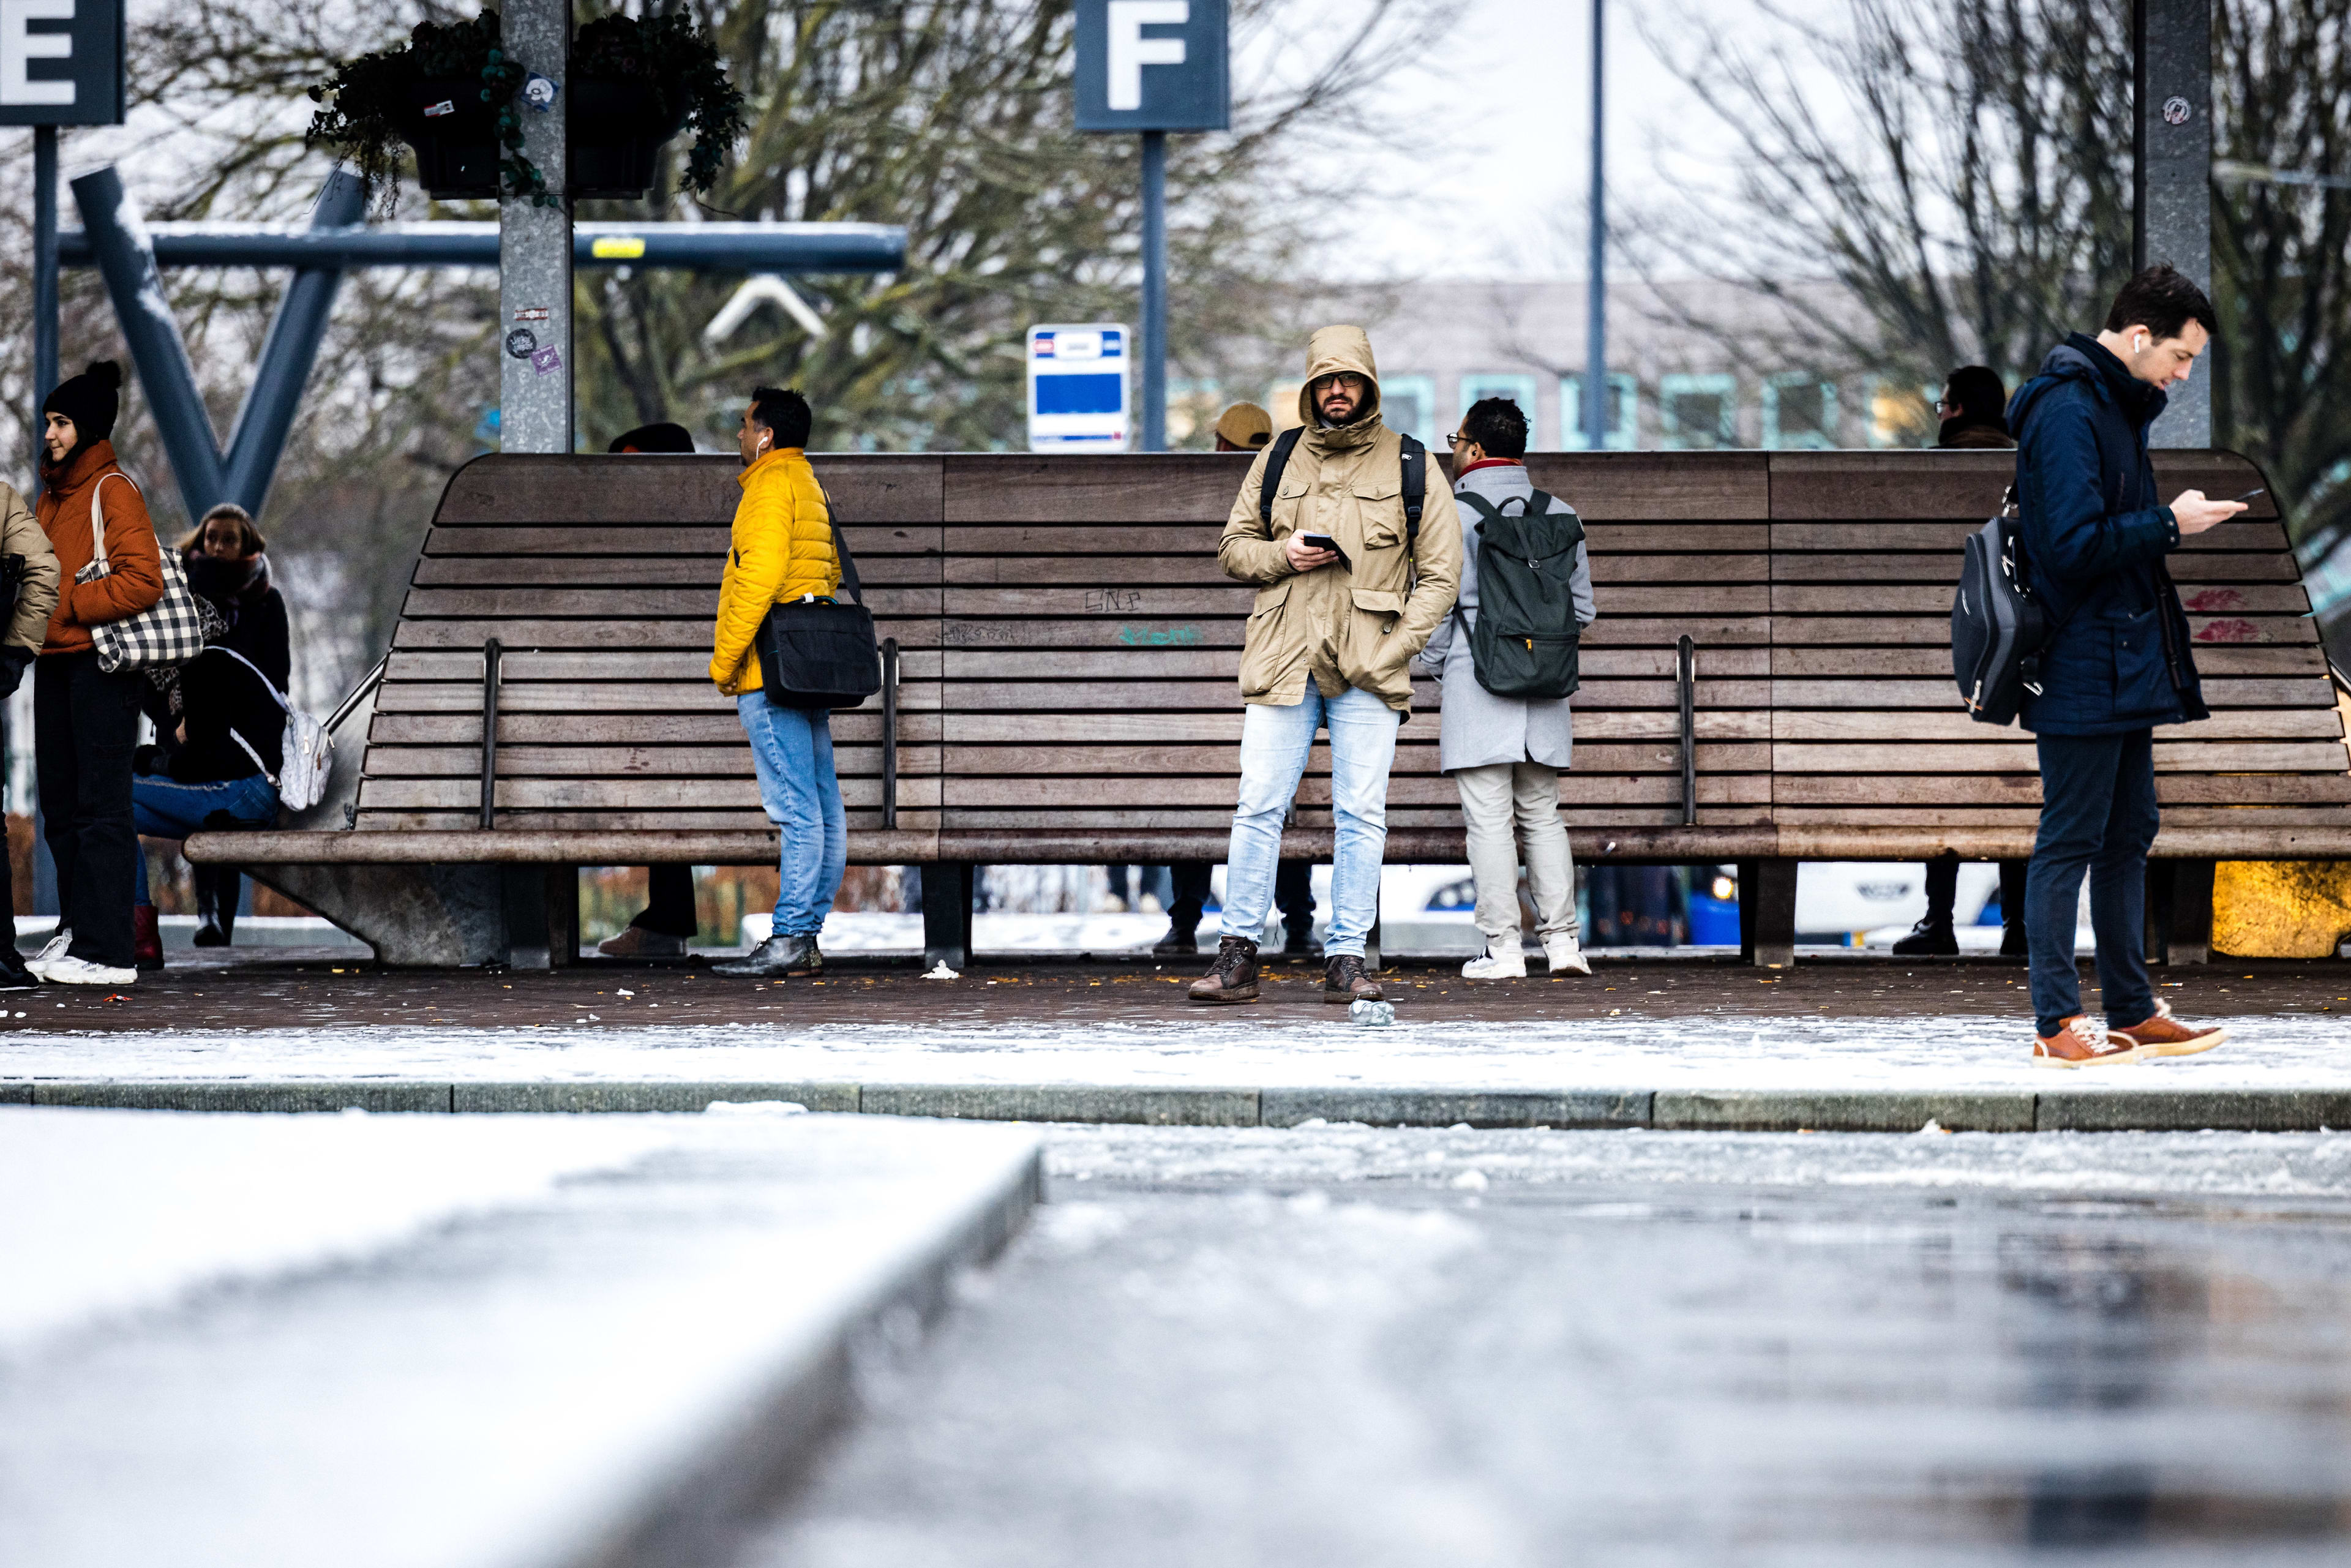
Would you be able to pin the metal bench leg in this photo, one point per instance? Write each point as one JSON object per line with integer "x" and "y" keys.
{"x": 1766, "y": 913}
{"x": 2179, "y": 912}
{"x": 946, "y": 916}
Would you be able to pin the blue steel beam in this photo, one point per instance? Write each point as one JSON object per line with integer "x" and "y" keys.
{"x": 714, "y": 247}
{"x": 287, "y": 354}
{"x": 118, "y": 241}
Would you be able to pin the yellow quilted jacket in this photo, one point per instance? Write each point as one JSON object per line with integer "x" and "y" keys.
{"x": 782, "y": 548}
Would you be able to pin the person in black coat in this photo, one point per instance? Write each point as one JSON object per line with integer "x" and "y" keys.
{"x": 223, "y": 723}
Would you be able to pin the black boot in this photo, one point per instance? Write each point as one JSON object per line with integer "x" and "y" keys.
{"x": 776, "y": 957}
{"x": 1182, "y": 936}
{"x": 13, "y": 976}
{"x": 217, "y": 890}
{"x": 1929, "y": 939}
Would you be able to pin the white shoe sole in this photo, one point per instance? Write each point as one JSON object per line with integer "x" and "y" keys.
{"x": 2196, "y": 1047}
{"x": 2116, "y": 1058}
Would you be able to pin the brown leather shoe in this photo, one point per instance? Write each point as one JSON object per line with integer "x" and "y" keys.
{"x": 1345, "y": 982}
{"x": 1234, "y": 979}
{"x": 2164, "y": 1035}
{"x": 2083, "y": 1042}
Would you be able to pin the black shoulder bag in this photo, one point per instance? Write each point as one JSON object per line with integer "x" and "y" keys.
{"x": 818, "y": 652}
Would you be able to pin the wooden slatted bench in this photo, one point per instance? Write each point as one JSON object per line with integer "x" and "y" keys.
{"x": 1063, "y": 685}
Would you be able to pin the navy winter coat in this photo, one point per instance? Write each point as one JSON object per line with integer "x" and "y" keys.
{"x": 2095, "y": 539}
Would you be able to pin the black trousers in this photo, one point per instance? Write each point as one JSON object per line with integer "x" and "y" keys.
{"x": 1293, "y": 893}
{"x": 84, "y": 728}
{"x": 669, "y": 902}
{"x": 1943, "y": 890}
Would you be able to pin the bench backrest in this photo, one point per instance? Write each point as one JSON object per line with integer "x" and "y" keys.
{"x": 1068, "y": 648}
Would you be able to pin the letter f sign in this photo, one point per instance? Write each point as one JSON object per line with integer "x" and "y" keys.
{"x": 1130, "y": 51}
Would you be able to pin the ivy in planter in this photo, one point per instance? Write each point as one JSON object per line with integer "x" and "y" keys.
{"x": 667, "y": 59}
{"x": 449, "y": 92}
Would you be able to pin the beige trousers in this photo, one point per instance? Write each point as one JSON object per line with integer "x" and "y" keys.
{"x": 1494, "y": 799}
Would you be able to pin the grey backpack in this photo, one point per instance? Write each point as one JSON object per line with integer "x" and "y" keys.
{"x": 1525, "y": 642}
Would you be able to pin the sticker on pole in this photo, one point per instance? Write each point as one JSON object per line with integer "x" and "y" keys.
{"x": 547, "y": 361}
{"x": 1080, "y": 394}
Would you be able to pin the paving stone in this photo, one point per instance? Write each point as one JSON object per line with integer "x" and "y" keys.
{"x": 655, "y": 1096}
{"x": 1066, "y": 1103}
{"x": 2181, "y": 1109}
{"x": 1447, "y": 1107}
{"x": 16, "y": 1093}
{"x": 246, "y": 1095}
{"x": 1831, "y": 1111}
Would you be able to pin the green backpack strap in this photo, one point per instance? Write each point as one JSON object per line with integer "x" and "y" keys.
{"x": 1276, "y": 461}
{"x": 1540, "y": 502}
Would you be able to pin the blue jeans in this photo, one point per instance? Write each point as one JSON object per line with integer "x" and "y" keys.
{"x": 792, "y": 750}
{"x": 2097, "y": 814}
{"x": 164, "y": 807}
{"x": 1274, "y": 744}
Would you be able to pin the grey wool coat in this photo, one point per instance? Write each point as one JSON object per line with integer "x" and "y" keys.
{"x": 1475, "y": 727}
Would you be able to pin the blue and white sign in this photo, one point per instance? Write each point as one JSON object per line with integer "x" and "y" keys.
{"x": 61, "y": 62}
{"x": 1152, "y": 65}
{"x": 1079, "y": 390}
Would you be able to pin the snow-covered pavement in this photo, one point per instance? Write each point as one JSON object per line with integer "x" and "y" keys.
{"x": 1299, "y": 1048}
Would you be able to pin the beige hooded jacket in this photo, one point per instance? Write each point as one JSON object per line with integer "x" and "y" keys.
{"x": 1345, "y": 628}
{"x": 36, "y": 599}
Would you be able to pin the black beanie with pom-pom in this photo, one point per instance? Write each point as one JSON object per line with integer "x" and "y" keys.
{"x": 90, "y": 399}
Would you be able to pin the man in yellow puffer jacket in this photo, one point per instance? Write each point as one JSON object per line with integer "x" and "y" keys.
{"x": 782, "y": 550}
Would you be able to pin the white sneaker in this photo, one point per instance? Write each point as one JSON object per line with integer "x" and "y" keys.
{"x": 72, "y": 971}
{"x": 1565, "y": 957}
{"x": 51, "y": 951}
{"x": 1506, "y": 966}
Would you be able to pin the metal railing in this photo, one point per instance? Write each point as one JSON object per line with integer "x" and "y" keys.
{"x": 493, "y": 653}
{"x": 1685, "y": 680}
{"x": 889, "y": 732}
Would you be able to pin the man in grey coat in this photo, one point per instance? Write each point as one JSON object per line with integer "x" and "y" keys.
{"x": 1505, "y": 754}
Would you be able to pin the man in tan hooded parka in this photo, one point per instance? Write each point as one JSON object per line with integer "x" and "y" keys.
{"x": 1330, "y": 642}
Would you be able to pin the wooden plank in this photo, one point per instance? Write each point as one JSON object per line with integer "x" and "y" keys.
{"x": 1025, "y": 802}
{"x": 1224, "y": 664}
{"x": 1615, "y": 630}
{"x": 612, "y": 761}
{"x": 707, "y": 729}
{"x": 618, "y": 604}
{"x": 2267, "y": 538}
{"x": 1808, "y": 486}
{"x": 914, "y": 667}
{"x": 2216, "y": 473}
{"x": 1935, "y": 630}
{"x": 1873, "y": 726}
{"x": 2170, "y": 757}
{"x": 650, "y": 698}
{"x": 657, "y": 538}
{"x": 700, "y": 796}
{"x": 1942, "y": 569}
{"x": 553, "y": 489}
{"x": 2238, "y": 629}
{"x": 2286, "y": 598}
{"x": 1931, "y": 662}
{"x": 1126, "y": 488}
{"x": 2024, "y": 789}
{"x": 1122, "y": 765}
{"x": 1665, "y": 487}
{"x": 1893, "y": 694}
{"x": 630, "y": 571}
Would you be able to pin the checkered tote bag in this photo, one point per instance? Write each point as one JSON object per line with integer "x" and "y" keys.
{"x": 169, "y": 632}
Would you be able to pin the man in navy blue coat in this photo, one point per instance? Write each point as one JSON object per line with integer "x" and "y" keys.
{"x": 2119, "y": 664}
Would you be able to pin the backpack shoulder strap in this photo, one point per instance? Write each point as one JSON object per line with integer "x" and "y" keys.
{"x": 266, "y": 681}
{"x": 1540, "y": 503}
{"x": 1415, "y": 487}
{"x": 1485, "y": 508}
{"x": 1277, "y": 459}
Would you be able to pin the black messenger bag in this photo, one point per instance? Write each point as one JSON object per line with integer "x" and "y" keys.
{"x": 817, "y": 654}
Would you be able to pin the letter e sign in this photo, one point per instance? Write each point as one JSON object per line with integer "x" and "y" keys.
{"x": 61, "y": 62}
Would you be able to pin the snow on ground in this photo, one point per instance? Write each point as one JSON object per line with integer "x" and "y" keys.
{"x": 109, "y": 1211}
{"x": 1285, "y": 1047}
{"x": 1460, "y": 1160}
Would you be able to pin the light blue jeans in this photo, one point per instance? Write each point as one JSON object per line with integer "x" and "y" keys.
{"x": 1274, "y": 744}
{"x": 162, "y": 807}
{"x": 792, "y": 750}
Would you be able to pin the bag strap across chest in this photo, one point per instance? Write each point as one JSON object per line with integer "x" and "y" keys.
{"x": 1415, "y": 465}
{"x": 98, "y": 516}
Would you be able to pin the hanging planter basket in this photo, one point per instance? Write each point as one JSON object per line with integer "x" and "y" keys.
{"x": 450, "y": 94}
{"x": 616, "y": 131}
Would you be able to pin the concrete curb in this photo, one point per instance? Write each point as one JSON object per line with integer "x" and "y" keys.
{"x": 1684, "y": 1109}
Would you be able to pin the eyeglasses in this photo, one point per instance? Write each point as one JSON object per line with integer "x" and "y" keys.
{"x": 1455, "y": 440}
{"x": 1347, "y": 379}
{"x": 1945, "y": 407}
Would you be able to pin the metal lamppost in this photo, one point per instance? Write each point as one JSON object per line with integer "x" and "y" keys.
{"x": 1152, "y": 66}
{"x": 1595, "y": 316}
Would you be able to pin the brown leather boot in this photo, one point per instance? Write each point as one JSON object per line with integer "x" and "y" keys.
{"x": 1345, "y": 982}
{"x": 1234, "y": 979}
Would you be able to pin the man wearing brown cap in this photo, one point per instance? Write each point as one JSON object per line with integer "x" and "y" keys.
{"x": 1244, "y": 427}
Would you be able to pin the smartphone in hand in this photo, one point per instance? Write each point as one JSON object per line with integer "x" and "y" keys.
{"x": 1324, "y": 541}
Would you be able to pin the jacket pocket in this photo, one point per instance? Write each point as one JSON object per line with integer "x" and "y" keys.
{"x": 2142, "y": 681}
{"x": 1373, "y": 655}
{"x": 1267, "y": 650}
{"x": 1379, "y": 505}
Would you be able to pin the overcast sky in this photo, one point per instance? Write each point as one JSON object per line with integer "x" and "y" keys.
{"x": 1501, "y": 145}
